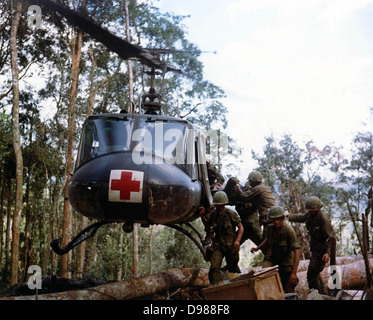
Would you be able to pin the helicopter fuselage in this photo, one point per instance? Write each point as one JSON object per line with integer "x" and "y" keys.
{"x": 140, "y": 168}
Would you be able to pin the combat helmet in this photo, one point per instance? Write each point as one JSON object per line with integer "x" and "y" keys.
{"x": 313, "y": 203}
{"x": 275, "y": 212}
{"x": 256, "y": 176}
{"x": 220, "y": 197}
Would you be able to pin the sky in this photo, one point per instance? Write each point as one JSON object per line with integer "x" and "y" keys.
{"x": 298, "y": 67}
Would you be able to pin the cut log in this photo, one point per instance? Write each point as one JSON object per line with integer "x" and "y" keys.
{"x": 303, "y": 264}
{"x": 353, "y": 276}
{"x": 133, "y": 288}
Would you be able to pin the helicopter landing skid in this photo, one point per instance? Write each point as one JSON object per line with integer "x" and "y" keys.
{"x": 190, "y": 236}
{"x": 80, "y": 237}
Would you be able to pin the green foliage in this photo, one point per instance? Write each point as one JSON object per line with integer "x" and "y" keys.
{"x": 181, "y": 252}
{"x": 5, "y": 135}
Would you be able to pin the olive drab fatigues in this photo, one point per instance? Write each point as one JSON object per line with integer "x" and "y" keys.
{"x": 281, "y": 246}
{"x": 250, "y": 222}
{"x": 320, "y": 231}
{"x": 223, "y": 224}
{"x": 214, "y": 174}
{"x": 257, "y": 200}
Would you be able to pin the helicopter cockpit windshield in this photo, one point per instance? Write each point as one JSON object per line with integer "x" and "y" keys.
{"x": 102, "y": 136}
{"x": 150, "y": 141}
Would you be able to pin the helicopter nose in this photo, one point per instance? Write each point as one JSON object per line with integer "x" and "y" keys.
{"x": 113, "y": 188}
{"x": 166, "y": 190}
{"x": 172, "y": 203}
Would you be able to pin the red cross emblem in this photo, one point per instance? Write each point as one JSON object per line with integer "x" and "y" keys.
{"x": 126, "y": 186}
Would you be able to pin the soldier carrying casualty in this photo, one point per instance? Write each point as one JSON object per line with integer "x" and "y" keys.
{"x": 322, "y": 236}
{"x": 221, "y": 227}
{"x": 283, "y": 249}
{"x": 256, "y": 200}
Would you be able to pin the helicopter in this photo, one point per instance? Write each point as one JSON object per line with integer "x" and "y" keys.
{"x": 144, "y": 167}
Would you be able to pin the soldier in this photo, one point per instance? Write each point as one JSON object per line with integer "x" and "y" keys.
{"x": 322, "y": 234}
{"x": 214, "y": 176}
{"x": 283, "y": 249}
{"x": 257, "y": 199}
{"x": 221, "y": 226}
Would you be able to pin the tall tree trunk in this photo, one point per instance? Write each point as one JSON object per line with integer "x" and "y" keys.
{"x": 151, "y": 250}
{"x": 76, "y": 45}
{"x": 129, "y": 63}
{"x": 16, "y": 146}
{"x": 2, "y": 196}
{"x": 83, "y": 246}
{"x": 135, "y": 265}
{"x": 120, "y": 247}
{"x": 130, "y": 109}
{"x": 8, "y": 229}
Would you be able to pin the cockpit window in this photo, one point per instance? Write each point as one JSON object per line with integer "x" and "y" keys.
{"x": 163, "y": 142}
{"x": 102, "y": 136}
{"x": 150, "y": 142}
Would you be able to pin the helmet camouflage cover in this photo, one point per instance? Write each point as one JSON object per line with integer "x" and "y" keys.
{"x": 313, "y": 203}
{"x": 220, "y": 197}
{"x": 275, "y": 212}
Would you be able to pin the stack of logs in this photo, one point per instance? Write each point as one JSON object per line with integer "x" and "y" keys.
{"x": 351, "y": 269}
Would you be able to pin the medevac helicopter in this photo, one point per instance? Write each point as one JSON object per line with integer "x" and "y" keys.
{"x": 141, "y": 168}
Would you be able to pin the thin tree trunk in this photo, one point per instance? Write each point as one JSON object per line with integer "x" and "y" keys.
{"x": 129, "y": 63}
{"x": 130, "y": 81}
{"x": 135, "y": 265}
{"x": 76, "y": 45}
{"x": 93, "y": 89}
{"x": 120, "y": 247}
{"x": 83, "y": 246}
{"x": 8, "y": 229}
{"x": 16, "y": 146}
{"x": 151, "y": 251}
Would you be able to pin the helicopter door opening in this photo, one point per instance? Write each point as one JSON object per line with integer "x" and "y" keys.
{"x": 202, "y": 165}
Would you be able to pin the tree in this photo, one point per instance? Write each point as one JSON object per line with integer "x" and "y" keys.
{"x": 16, "y": 145}
{"x": 59, "y": 90}
{"x": 295, "y": 173}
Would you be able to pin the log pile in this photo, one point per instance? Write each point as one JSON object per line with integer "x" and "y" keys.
{"x": 133, "y": 288}
{"x": 303, "y": 264}
{"x": 185, "y": 283}
{"x": 353, "y": 276}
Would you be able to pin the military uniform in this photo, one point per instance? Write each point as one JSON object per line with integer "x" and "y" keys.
{"x": 250, "y": 221}
{"x": 320, "y": 231}
{"x": 281, "y": 252}
{"x": 214, "y": 174}
{"x": 223, "y": 224}
{"x": 258, "y": 199}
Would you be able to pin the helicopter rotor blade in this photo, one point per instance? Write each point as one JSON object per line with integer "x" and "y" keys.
{"x": 118, "y": 45}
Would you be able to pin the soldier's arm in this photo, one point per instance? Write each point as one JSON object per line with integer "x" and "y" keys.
{"x": 328, "y": 229}
{"x": 239, "y": 235}
{"x": 220, "y": 178}
{"x": 207, "y": 219}
{"x": 248, "y": 195}
{"x": 297, "y": 217}
{"x": 294, "y": 244}
{"x": 293, "y": 275}
{"x": 259, "y": 247}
